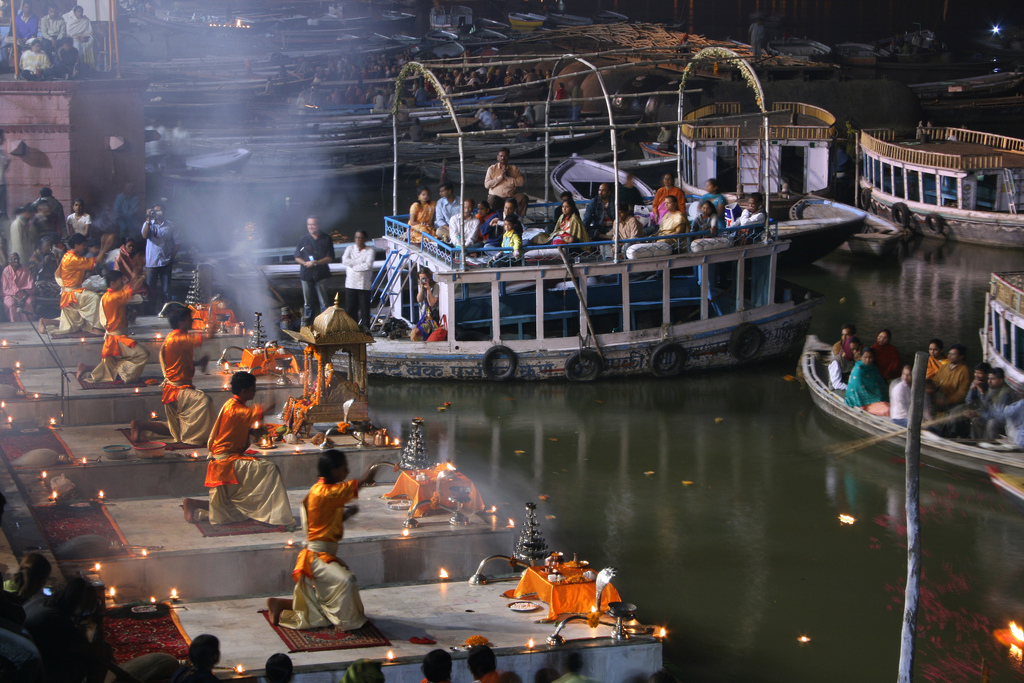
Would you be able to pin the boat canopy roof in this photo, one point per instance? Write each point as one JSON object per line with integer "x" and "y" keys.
{"x": 786, "y": 121}
{"x": 949, "y": 148}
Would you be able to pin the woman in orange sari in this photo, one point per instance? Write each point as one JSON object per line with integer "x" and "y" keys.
{"x": 421, "y": 216}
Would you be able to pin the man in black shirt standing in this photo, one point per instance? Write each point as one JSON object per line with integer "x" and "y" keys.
{"x": 314, "y": 253}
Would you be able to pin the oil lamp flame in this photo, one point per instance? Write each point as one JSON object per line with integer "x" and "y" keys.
{"x": 152, "y": 415}
{"x": 405, "y": 532}
{"x": 290, "y": 542}
{"x": 1017, "y": 631}
{"x": 1016, "y": 653}
{"x": 152, "y": 600}
{"x": 511, "y": 524}
{"x": 96, "y": 568}
{"x": 101, "y": 494}
{"x": 145, "y": 552}
{"x": 53, "y": 420}
{"x": 804, "y": 639}
{"x": 529, "y": 644}
{"x": 43, "y": 474}
{"x": 85, "y": 461}
{"x": 662, "y": 633}
{"x": 174, "y": 594}
{"x": 391, "y": 655}
{"x": 239, "y": 669}
{"x": 443, "y": 574}
{"x": 54, "y": 495}
{"x": 113, "y": 592}
{"x": 450, "y": 466}
{"x": 17, "y": 364}
{"x": 256, "y": 424}
{"x": 846, "y": 519}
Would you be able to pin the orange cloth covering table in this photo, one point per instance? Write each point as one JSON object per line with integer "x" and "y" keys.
{"x": 408, "y": 487}
{"x": 562, "y": 597}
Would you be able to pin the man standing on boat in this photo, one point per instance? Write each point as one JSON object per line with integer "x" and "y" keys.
{"x": 757, "y": 36}
{"x": 314, "y": 253}
{"x": 503, "y": 181}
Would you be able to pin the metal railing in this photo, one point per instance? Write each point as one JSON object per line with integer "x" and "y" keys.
{"x": 919, "y": 157}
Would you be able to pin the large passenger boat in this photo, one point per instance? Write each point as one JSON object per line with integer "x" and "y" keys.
{"x": 954, "y": 183}
{"x": 581, "y": 311}
{"x": 1002, "y": 336}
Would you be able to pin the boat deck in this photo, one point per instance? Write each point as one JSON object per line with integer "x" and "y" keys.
{"x": 964, "y": 149}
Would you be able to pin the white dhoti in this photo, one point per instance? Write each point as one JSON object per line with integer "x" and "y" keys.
{"x": 190, "y": 416}
{"x": 259, "y": 494}
{"x": 129, "y": 364}
{"x": 85, "y": 313}
{"x": 331, "y": 597}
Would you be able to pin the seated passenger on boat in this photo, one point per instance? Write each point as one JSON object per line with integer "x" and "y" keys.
{"x": 568, "y": 228}
{"x": 421, "y": 216}
{"x": 241, "y": 487}
{"x": 978, "y": 392}
{"x": 1011, "y": 416}
{"x": 999, "y": 395}
{"x": 668, "y": 187}
{"x": 953, "y": 379}
{"x": 325, "y": 591}
{"x": 887, "y": 358}
{"x": 629, "y": 225}
{"x": 512, "y": 238}
{"x": 600, "y": 214}
{"x": 121, "y": 355}
{"x": 753, "y": 214}
{"x": 716, "y": 198}
{"x": 673, "y": 223}
{"x": 487, "y": 231}
{"x": 866, "y": 388}
{"x": 841, "y": 366}
{"x": 666, "y": 139}
{"x": 846, "y": 333}
{"x": 79, "y": 307}
{"x": 446, "y": 207}
{"x": 900, "y": 395}
{"x": 628, "y": 192}
{"x": 462, "y": 229}
{"x": 706, "y": 220}
{"x": 503, "y": 181}
{"x": 936, "y": 357}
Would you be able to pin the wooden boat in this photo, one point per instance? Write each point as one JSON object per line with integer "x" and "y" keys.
{"x": 816, "y": 236}
{"x": 798, "y": 47}
{"x": 990, "y": 85}
{"x": 935, "y": 449}
{"x": 950, "y": 183}
{"x": 678, "y": 317}
{"x": 609, "y": 17}
{"x": 475, "y": 171}
{"x": 877, "y": 236}
{"x": 582, "y": 177}
{"x": 858, "y": 54}
{"x": 218, "y": 162}
{"x": 1002, "y": 335}
{"x": 1002, "y": 41}
{"x": 524, "y": 22}
{"x": 1011, "y": 486}
{"x": 457, "y": 17}
{"x": 484, "y": 22}
{"x": 562, "y": 20}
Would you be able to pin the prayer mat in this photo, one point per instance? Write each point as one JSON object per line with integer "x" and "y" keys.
{"x": 172, "y": 446}
{"x": 120, "y": 384}
{"x": 136, "y": 630}
{"x": 11, "y": 378}
{"x": 250, "y": 526}
{"x": 78, "y": 335}
{"x": 64, "y": 522}
{"x": 18, "y": 442}
{"x": 329, "y": 637}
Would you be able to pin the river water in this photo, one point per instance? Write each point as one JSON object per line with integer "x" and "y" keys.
{"x": 714, "y": 496}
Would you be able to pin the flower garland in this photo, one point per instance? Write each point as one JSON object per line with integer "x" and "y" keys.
{"x": 473, "y": 641}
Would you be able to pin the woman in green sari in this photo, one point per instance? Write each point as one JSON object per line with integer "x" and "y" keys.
{"x": 866, "y": 385}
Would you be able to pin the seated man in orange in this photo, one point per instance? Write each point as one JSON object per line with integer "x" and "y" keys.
{"x": 189, "y": 410}
{"x": 325, "y": 590}
{"x": 121, "y": 354}
{"x": 79, "y": 307}
{"x": 241, "y": 487}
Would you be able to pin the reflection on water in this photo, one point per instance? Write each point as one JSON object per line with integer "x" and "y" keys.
{"x": 727, "y": 530}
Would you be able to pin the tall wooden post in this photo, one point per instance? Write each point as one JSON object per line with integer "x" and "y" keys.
{"x": 913, "y": 454}
{"x": 116, "y": 52}
{"x": 14, "y": 44}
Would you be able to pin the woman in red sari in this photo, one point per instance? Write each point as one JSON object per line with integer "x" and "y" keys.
{"x": 887, "y": 358}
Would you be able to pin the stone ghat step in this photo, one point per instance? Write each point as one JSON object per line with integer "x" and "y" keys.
{"x": 24, "y": 346}
{"x": 179, "y": 557}
{"x": 179, "y": 473}
{"x": 446, "y": 612}
{"x": 118, "y": 406}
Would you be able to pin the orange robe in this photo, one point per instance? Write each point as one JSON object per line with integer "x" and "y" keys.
{"x": 229, "y": 440}
{"x": 115, "y": 310}
{"x": 71, "y": 272}
{"x": 325, "y": 509}
{"x": 189, "y": 410}
{"x": 177, "y": 362}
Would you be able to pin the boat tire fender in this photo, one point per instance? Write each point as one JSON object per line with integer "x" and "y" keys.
{"x": 935, "y": 224}
{"x": 865, "y": 198}
{"x": 583, "y": 366}
{"x": 901, "y": 214}
{"x": 745, "y": 342}
{"x": 498, "y": 373}
{"x": 667, "y": 359}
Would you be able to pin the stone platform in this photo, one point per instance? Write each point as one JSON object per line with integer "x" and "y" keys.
{"x": 180, "y": 473}
{"x": 447, "y": 612}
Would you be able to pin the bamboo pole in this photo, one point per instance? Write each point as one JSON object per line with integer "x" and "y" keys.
{"x": 913, "y": 452}
{"x": 117, "y": 44}
{"x": 14, "y": 44}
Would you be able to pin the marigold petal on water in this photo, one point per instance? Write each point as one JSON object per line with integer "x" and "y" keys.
{"x": 687, "y": 483}
{"x": 648, "y": 473}
{"x": 544, "y": 497}
{"x": 552, "y": 439}
{"x": 549, "y": 516}
{"x": 519, "y": 452}
{"x": 719, "y": 420}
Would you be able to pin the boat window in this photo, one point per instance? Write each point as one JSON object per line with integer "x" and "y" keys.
{"x": 887, "y": 178}
{"x": 645, "y": 297}
{"x": 1019, "y": 360}
{"x": 793, "y": 166}
{"x": 913, "y": 186}
{"x": 721, "y": 288}
{"x": 985, "y": 195}
{"x": 1007, "y": 349}
{"x": 757, "y": 275}
{"x": 876, "y": 173}
{"x": 865, "y": 167}
{"x": 897, "y": 181}
{"x": 725, "y": 167}
{"x": 948, "y": 186}
{"x": 517, "y": 311}
{"x": 997, "y": 330}
{"x": 684, "y": 290}
{"x": 930, "y": 190}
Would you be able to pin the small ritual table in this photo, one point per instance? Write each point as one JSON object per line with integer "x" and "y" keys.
{"x": 439, "y": 481}
{"x": 562, "y": 597}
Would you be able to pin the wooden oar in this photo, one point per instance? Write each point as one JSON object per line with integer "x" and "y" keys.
{"x": 848, "y": 447}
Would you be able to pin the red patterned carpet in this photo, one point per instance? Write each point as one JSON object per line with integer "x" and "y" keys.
{"x": 132, "y": 631}
{"x": 64, "y": 522}
{"x": 330, "y": 638}
{"x": 15, "y": 444}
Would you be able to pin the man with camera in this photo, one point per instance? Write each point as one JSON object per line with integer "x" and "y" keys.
{"x": 160, "y": 251}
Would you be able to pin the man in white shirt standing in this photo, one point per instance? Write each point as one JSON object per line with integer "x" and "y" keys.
{"x": 160, "y": 250}
{"x": 358, "y": 262}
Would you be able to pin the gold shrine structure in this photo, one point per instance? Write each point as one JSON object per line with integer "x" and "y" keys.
{"x": 329, "y": 384}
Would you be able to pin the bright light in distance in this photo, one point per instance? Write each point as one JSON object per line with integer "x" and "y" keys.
{"x": 846, "y": 519}
{"x": 996, "y": 29}
{"x": 804, "y": 639}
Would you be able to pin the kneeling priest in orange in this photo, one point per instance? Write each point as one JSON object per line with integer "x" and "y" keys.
{"x": 121, "y": 354}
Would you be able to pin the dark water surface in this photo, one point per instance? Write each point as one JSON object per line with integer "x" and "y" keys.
{"x": 714, "y": 497}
